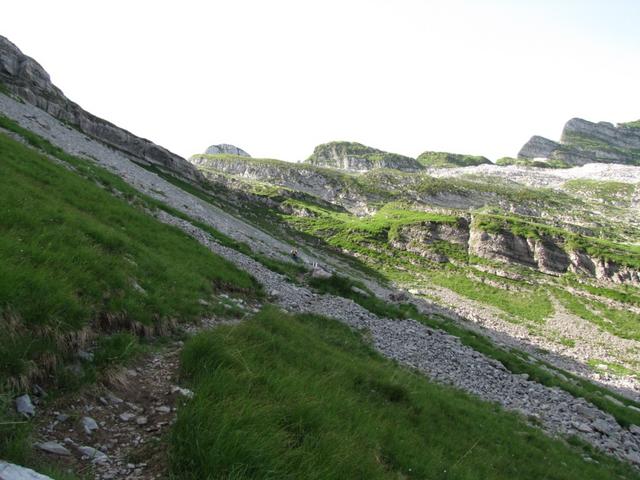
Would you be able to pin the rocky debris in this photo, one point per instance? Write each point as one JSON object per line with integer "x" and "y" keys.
{"x": 24, "y": 406}
{"x": 54, "y": 448}
{"x": 26, "y": 78}
{"x": 355, "y": 157}
{"x": 126, "y": 416}
{"x": 225, "y": 148}
{"x": 9, "y": 471}
{"x": 584, "y": 142}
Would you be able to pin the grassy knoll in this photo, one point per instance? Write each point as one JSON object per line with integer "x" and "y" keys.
{"x": 304, "y": 397}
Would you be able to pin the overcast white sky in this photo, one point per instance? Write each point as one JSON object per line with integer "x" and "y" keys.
{"x": 278, "y": 77}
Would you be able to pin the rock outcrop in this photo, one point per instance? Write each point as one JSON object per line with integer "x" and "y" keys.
{"x": 25, "y": 78}
{"x": 549, "y": 255}
{"x": 294, "y": 176}
{"x": 585, "y": 142}
{"x": 355, "y": 157}
{"x": 450, "y": 160}
{"x": 226, "y": 149}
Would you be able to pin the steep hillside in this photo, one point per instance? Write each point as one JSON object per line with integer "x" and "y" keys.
{"x": 585, "y": 142}
{"x": 24, "y": 77}
{"x": 355, "y": 157}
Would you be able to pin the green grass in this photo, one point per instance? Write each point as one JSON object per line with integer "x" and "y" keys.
{"x": 619, "y": 322}
{"x": 304, "y": 397}
{"x": 533, "y": 305}
{"x": 77, "y": 259}
{"x": 602, "y": 191}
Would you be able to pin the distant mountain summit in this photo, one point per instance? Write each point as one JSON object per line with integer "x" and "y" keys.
{"x": 226, "y": 149}
{"x": 585, "y": 142}
{"x": 355, "y": 157}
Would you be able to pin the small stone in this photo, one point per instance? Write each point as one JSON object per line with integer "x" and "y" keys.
{"x": 93, "y": 454}
{"x": 603, "y": 426}
{"x": 185, "y": 392}
{"x": 62, "y": 417}
{"x": 125, "y": 417}
{"x": 582, "y": 427}
{"x": 142, "y": 420}
{"x": 85, "y": 356}
{"x": 113, "y": 399}
{"x": 89, "y": 425}
{"x": 24, "y": 406}
{"x": 54, "y": 448}
{"x": 634, "y": 457}
{"x": 39, "y": 391}
{"x": 163, "y": 409}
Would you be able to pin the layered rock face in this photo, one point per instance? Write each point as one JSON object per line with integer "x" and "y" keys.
{"x": 585, "y": 142}
{"x": 26, "y": 78}
{"x": 355, "y": 157}
{"x": 548, "y": 255}
{"x": 294, "y": 176}
{"x": 226, "y": 149}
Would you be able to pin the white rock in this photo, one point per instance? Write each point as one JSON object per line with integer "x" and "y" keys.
{"x": 89, "y": 425}
{"x": 54, "y": 448}
{"x": 185, "y": 392}
{"x": 95, "y": 455}
{"x": 24, "y": 406}
{"x": 9, "y": 471}
{"x": 125, "y": 417}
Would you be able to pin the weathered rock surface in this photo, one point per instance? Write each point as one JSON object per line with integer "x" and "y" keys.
{"x": 355, "y": 157}
{"x": 538, "y": 147}
{"x": 225, "y": 148}
{"x": 9, "y": 471}
{"x": 26, "y": 78}
{"x": 585, "y": 142}
{"x": 450, "y": 160}
{"x": 24, "y": 406}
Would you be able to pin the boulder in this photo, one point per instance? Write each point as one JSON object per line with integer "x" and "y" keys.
{"x": 225, "y": 148}
{"x": 9, "y": 471}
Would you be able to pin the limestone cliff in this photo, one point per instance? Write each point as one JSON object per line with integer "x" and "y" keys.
{"x": 585, "y": 142}
{"x": 355, "y": 157}
{"x": 24, "y": 77}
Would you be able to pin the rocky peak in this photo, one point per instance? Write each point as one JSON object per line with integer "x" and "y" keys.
{"x": 585, "y": 142}
{"x": 355, "y": 157}
{"x": 226, "y": 149}
{"x": 23, "y": 76}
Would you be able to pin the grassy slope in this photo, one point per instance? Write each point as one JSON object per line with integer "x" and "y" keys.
{"x": 304, "y": 397}
{"x": 79, "y": 261}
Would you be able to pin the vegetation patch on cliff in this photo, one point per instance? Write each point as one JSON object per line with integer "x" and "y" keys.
{"x": 449, "y": 160}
